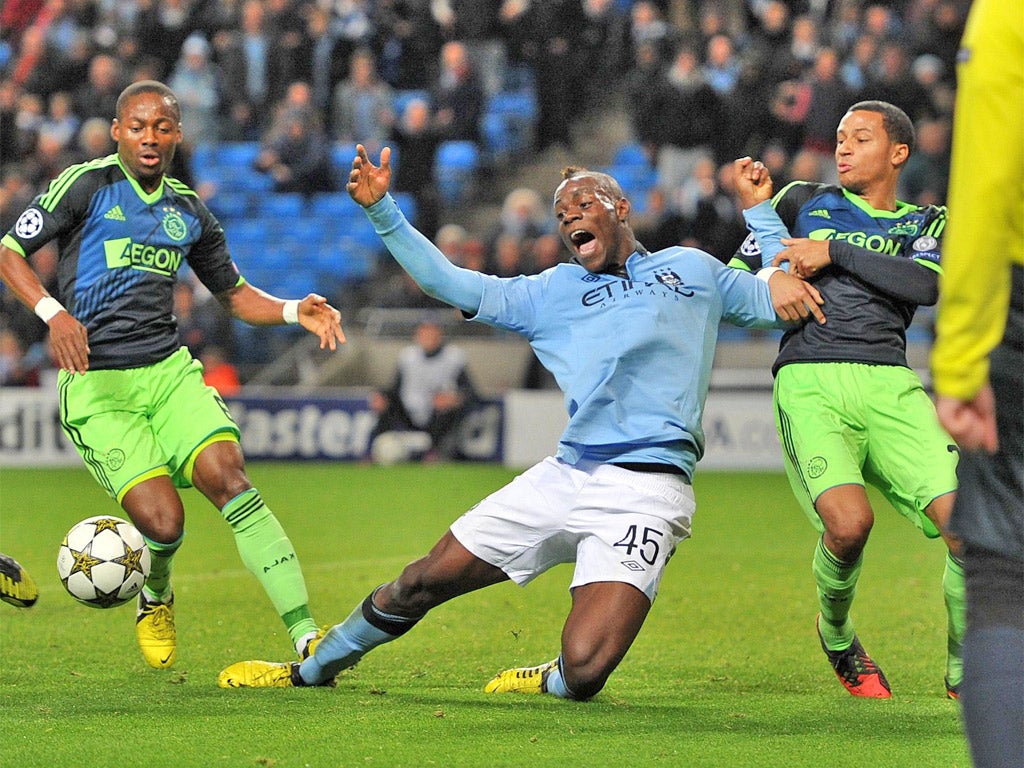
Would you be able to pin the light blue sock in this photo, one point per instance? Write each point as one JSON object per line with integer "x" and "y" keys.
{"x": 342, "y": 647}
{"x": 346, "y": 643}
{"x": 555, "y": 684}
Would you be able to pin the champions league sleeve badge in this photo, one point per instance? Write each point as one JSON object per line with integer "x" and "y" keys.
{"x": 750, "y": 246}
{"x": 29, "y": 224}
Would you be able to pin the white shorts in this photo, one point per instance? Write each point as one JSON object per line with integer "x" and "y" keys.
{"x": 614, "y": 523}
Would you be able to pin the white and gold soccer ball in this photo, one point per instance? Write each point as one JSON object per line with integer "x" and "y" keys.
{"x": 103, "y": 561}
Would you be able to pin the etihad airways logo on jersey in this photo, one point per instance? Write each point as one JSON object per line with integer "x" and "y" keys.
{"x": 669, "y": 284}
{"x": 874, "y": 242}
{"x": 122, "y": 252}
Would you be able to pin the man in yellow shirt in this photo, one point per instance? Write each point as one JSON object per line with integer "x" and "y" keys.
{"x": 977, "y": 361}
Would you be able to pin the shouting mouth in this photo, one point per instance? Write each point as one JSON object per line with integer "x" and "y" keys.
{"x": 584, "y": 242}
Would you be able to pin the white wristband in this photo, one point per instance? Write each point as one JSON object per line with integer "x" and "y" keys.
{"x": 766, "y": 273}
{"x": 290, "y": 312}
{"x": 47, "y": 307}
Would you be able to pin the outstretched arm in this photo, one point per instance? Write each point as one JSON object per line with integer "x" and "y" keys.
{"x": 434, "y": 274}
{"x": 251, "y": 305}
{"x": 902, "y": 278}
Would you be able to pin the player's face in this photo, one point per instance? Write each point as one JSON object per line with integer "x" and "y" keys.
{"x": 865, "y": 155}
{"x": 147, "y": 134}
{"x": 590, "y": 223}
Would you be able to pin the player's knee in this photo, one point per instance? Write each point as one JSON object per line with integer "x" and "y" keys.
{"x": 219, "y": 473}
{"x": 162, "y": 528}
{"x": 847, "y": 541}
{"x": 585, "y": 670}
{"x": 586, "y": 682}
{"x": 846, "y": 532}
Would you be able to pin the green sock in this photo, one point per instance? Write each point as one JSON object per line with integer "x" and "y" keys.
{"x": 953, "y": 591}
{"x": 161, "y": 557}
{"x": 269, "y": 555}
{"x": 837, "y": 584}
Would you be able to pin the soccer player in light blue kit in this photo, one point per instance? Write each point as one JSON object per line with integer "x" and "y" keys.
{"x": 629, "y": 336}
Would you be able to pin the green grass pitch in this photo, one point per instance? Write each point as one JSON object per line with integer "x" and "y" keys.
{"x": 727, "y": 671}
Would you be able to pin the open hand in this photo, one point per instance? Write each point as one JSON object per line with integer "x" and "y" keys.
{"x": 368, "y": 183}
{"x": 319, "y": 317}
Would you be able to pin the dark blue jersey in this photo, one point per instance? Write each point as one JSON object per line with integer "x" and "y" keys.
{"x": 884, "y": 264}
{"x": 120, "y": 252}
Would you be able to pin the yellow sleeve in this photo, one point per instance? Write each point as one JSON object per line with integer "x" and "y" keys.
{"x": 985, "y": 234}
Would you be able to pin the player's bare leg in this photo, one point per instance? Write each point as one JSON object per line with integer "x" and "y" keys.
{"x": 604, "y": 621}
{"x": 386, "y": 614}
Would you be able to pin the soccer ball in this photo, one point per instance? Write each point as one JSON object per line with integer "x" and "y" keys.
{"x": 103, "y": 561}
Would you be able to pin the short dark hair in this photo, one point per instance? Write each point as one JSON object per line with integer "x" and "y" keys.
{"x": 604, "y": 180}
{"x": 148, "y": 86}
{"x": 896, "y": 122}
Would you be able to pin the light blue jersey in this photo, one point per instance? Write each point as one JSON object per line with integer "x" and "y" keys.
{"x": 632, "y": 355}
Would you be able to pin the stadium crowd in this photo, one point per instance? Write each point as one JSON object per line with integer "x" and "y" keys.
{"x": 702, "y": 83}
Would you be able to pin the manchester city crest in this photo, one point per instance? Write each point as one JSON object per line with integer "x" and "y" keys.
{"x": 668, "y": 277}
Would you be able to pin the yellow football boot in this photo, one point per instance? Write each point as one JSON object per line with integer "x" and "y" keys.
{"x": 154, "y": 629}
{"x": 522, "y": 679}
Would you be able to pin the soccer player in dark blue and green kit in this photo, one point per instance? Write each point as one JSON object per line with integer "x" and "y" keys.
{"x": 132, "y": 398}
{"x": 848, "y": 408}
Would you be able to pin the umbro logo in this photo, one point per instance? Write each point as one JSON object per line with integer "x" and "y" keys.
{"x": 115, "y": 213}
{"x": 820, "y": 212}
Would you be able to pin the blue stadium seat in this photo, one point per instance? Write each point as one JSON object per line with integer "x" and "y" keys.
{"x": 458, "y": 155}
{"x": 631, "y": 154}
{"x": 230, "y": 204}
{"x": 279, "y": 257}
{"x": 407, "y": 203}
{"x": 203, "y": 156}
{"x": 498, "y": 136}
{"x": 245, "y": 180}
{"x": 360, "y": 230}
{"x": 508, "y": 122}
{"x": 522, "y": 103}
{"x": 331, "y": 205}
{"x": 341, "y": 155}
{"x": 455, "y": 164}
{"x": 403, "y": 97}
{"x": 633, "y": 176}
{"x": 283, "y": 206}
{"x": 348, "y": 259}
{"x": 248, "y": 231}
{"x": 236, "y": 154}
{"x": 304, "y": 234}
{"x": 218, "y": 175}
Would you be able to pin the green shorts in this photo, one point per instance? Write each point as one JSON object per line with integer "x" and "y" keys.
{"x": 133, "y": 424}
{"x": 842, "y": 423}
